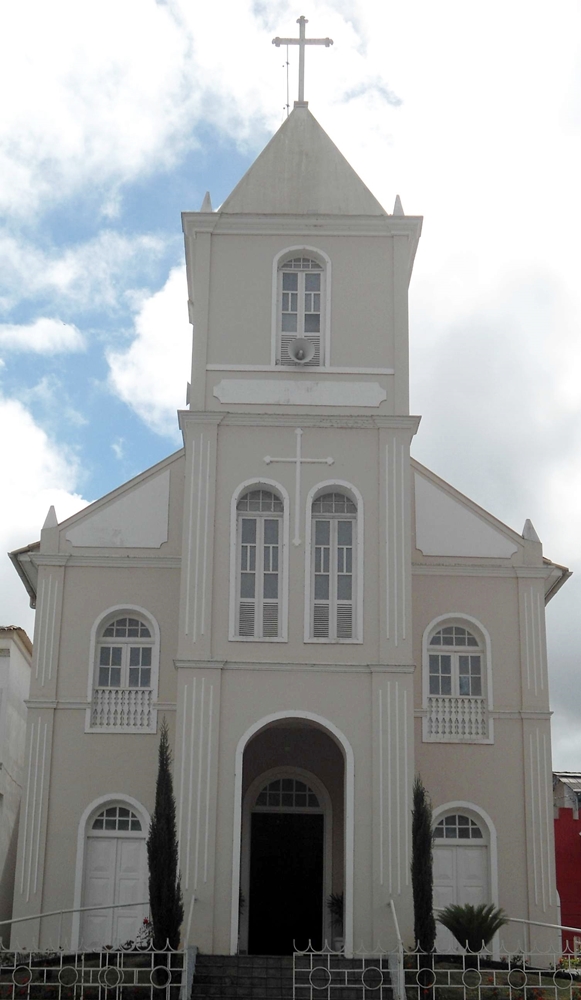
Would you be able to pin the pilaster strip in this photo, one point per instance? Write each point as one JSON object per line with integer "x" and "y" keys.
{"x": 205, "y": 558}
{"x": 541, "y": 820}
{"x": 26, "y": 808}
{"x": 190, "y": 789}
{"x": 398, "y": 787}
{"x": 52, "y": 628}
{"x": 33, "y": 814}
{"x": 534, "y": 820}
{"x": 380, "y": 736}
{"x": 395, "y": 552}
{"x": 387, "y": 550}
{"x": 197, "y": 569}
{"x": 406, "y": 788}
{"x": 199, "y": 789}
{"x": 403, "y": 543}
{"x": 190, "y": 534}
{"x": 40, "y": 804}
{"x": 527, "y": 642}
{"x": 182, "y": 772}
{"x": 209, "y": 763}
{"x": 389, "y": 786}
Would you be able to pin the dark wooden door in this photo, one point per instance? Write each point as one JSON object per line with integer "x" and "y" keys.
{"x": 286, "y": 883}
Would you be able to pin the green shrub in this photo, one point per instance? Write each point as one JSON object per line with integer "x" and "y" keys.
{"x": 473, "y": 926}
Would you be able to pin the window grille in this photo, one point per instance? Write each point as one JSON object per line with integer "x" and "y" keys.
{"x": 301, "y": 290}
{"x": 457, "y": 827}
{"x": 116, "y": 818}
{"x": 289, "y": 793}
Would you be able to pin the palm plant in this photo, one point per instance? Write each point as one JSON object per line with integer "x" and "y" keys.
{"x": 473, "y": 926}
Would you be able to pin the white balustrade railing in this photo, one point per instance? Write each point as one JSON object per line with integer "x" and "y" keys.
{"x": 122, "y": 708}
{"x": 451, "y": 718}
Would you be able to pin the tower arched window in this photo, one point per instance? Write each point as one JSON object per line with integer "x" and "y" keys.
{"x": 456, "y": 684}
{"x": 333, "y": 566}
{"x": 259, "y": 554}
{"x": 301, "y": 305}
{"x": 125, "y": 670}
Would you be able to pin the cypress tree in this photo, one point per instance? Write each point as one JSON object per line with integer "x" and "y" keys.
{"x": 422, "y": 874}
{"x": 165, "y": 891}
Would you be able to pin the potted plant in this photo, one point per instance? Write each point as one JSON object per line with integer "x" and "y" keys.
{"x": 335, "y": 908}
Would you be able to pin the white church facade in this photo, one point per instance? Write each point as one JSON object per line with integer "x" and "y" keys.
{"x": 317, "y": 616}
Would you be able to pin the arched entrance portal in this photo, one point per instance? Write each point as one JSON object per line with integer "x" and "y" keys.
{"x": 292, "y": 849}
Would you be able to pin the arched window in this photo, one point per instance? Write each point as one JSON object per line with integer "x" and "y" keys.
{"x": 456, "y": 684}
{"x": 124, "y": 673}
{"x": 287, "y": 793}
{"x": 259, "y": 549}
{"x": 301, "y": 304}
{"x": 333, "y": 563}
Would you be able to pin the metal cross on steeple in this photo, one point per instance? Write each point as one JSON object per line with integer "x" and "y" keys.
{"x": 301, "y": 41}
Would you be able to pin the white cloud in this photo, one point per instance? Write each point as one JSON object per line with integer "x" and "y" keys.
{"x": 44, "y": 336}
{"x": 89, "y": 275}
{"x": 151, "y": 375}
{"x": 36, "y": 474}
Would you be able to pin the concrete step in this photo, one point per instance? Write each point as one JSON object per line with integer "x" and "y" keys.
{"x": 270, "y": 977}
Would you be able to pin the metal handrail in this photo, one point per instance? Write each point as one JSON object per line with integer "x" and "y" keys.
{"x": 400, "y": 987}
{"x": 73, "y": 909}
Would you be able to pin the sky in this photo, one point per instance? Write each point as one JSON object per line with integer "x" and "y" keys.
{"x": 117, "y": 115}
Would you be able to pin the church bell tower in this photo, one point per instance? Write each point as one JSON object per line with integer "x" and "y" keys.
{"x": 294, "y": 746}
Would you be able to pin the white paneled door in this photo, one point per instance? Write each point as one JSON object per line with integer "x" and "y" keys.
{"x": 115, "y": 872}
{"x": 460, "y": 876}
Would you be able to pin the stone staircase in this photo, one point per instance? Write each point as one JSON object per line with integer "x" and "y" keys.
{"x": 245, "y": 977}
{"x": 270, "y": 977}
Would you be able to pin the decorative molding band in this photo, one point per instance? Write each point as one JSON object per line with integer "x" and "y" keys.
{"x": 339, "y": 420}
{"x": 112, "y": 561}
{"x": 471, "y": 568}
{"x": 227, "y": 224}
{"x": 284, "y": 392}
{"x": 319, "y": 371}
{"x": 366, "y": 668}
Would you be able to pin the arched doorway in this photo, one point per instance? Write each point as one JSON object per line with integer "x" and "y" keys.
{"x": 292, "y": 837}
{"x": 114, "y": 871}
{"x": 461, "y": 866}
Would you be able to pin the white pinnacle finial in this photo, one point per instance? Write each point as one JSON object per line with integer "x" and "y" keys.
{"x": 207, "y": 203}
{"x": 529, "y": 532}
{"x": 301, "y": 41}
{"x": 51, "y": 519}
{"x": 398, "y": 207}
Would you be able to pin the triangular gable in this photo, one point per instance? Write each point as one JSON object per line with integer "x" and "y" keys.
{"x": 449, "y": 524}
{"x": 301, "y": 172}
{"x": 136, "y": 515}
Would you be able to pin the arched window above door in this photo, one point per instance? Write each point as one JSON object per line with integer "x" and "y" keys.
{"x": 456, "y": 826}
{"x": 287, "y": 793}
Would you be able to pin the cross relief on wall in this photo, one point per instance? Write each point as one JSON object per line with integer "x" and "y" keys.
{"x": 298, "y": 461}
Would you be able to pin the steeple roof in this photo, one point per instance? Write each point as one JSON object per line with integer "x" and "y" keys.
{"x": 300, "y": 172}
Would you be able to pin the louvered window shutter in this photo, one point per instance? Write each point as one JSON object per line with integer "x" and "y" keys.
{"x": 333, "y": 611}
{"x": 259, "y": 565}
{"x": 301, "y": 291}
